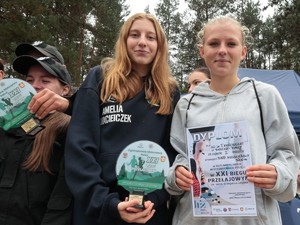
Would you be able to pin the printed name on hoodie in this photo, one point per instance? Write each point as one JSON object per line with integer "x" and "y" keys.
{"x": 114, "y": 113}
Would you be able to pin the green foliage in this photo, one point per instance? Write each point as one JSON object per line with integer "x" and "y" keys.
{"x": 287, "y": 35}
{"x": 84, "y": 31}
{"x": 169, "y": 17}
{"x": 275, "y": 39}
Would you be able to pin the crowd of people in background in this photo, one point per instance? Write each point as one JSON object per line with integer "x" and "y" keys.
{"x": 65, "y": 174}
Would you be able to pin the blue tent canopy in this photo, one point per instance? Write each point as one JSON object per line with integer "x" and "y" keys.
{"x": 288, "y": 84}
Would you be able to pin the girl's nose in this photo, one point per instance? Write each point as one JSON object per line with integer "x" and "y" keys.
{"x": 142, "y": 41}
{"x": 37, "y": 85}
{"x": 222, "y": 49}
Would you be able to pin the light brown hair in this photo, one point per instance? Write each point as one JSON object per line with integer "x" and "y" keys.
{"x": 203, "y": 70}
{"x": 122, "y": 83}
{"x": 56, "y": 125}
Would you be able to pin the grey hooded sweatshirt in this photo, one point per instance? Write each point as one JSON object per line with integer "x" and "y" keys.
{"x": 280, "y": 147}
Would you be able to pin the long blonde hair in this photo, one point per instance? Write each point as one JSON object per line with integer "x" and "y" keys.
{"x": 122, "y": 83}
{"x": 56, "y": 125}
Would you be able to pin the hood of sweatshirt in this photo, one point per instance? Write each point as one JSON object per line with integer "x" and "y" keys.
{"x": 204, "y": 90}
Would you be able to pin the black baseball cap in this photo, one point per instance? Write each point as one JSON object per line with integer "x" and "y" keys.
{"x": 22, "y": 64}
{"x": 42, "y": 47}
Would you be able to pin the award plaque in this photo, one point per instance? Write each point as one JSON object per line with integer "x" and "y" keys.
{"x": 15, "y": 95}
{"x": 142, "y": 168}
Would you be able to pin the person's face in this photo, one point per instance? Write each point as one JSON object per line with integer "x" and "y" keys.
{"x": 196, "y": 78}
{"x": 39, "y": 78}
{"x": 142, "y": 44}
{"x": 223, "y": 49}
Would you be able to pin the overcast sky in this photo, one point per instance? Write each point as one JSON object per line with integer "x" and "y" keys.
{"x": 136, "y": 6}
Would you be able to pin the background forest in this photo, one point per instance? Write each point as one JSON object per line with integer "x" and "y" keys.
{"x": 85, "y": 31}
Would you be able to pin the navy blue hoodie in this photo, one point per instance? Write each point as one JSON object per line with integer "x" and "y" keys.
{"x": 97, "y": 134}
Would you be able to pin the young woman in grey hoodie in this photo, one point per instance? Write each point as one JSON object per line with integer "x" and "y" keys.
{"x": 225, "y": 98}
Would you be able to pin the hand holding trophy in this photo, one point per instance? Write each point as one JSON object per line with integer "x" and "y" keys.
{"x": 142, "y": 168}
{"x": 15, "y": 95}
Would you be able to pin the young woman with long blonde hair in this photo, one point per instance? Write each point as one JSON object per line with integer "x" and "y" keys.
{"x": 128, "y": 98}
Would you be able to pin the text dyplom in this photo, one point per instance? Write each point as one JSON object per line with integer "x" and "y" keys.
{"x": 219, "y": 156}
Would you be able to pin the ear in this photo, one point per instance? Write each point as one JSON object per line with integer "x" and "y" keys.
{"x": 201, "y": 50}
{"x": 244, "y": 53}
{"x": 66, "y": 90}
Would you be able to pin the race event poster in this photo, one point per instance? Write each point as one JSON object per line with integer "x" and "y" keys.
{"x": 218, "y": 156}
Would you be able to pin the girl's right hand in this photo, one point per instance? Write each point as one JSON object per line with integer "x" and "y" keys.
{"x": 46, "y": 101}
{"x": 184, "y": 178}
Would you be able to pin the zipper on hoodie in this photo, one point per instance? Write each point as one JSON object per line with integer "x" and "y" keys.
{"x": 224, "y": 107}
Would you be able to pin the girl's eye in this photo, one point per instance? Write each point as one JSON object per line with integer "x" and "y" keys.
{"x": 231, "y": 44}
{"x": 29, "y": 81}
{"x": 152, "y": 37}
{"x": 213, "y": 44}
{"x": 133, "y": 34}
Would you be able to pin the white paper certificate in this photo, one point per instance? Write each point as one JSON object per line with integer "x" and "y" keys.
{"x": 218, "y": 157}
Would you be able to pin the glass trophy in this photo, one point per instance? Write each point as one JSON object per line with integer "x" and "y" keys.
{"x": 15, "y": 95}
{"x": 142, "y": 168}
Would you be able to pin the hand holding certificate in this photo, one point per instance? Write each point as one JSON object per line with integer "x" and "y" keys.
{"x": 218, "y": 157}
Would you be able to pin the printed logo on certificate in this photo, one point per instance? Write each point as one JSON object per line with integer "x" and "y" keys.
{"x": 15, "y": 95}
{"x": 218, "y": 156}
{"x": 142, "y": 168}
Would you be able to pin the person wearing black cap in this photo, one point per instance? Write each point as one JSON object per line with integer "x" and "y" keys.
{"x": 33, "y": 189}
{"x": 39, "y": 49}
{"x": 40, "y": 71}
{"x": 46, "y": 100}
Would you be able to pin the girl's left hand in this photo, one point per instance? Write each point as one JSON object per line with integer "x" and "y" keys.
{"x": 133, "y": 215}
{"x": 263, "y": 175}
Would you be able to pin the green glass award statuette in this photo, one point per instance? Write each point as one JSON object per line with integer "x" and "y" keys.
{"x": 15, "y": 94}
{"x": 142, "y": 168}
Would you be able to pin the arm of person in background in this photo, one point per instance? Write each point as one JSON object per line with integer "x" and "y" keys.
{"x": 1, "y": 74}
{"x": 47, "y": 101}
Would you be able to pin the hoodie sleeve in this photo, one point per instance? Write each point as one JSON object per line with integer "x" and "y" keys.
{"x": 159, "y": 197}
{"x": 178, "y": 142}
{"x": 83, "y": 172}
{"x": 281, "y": 142}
